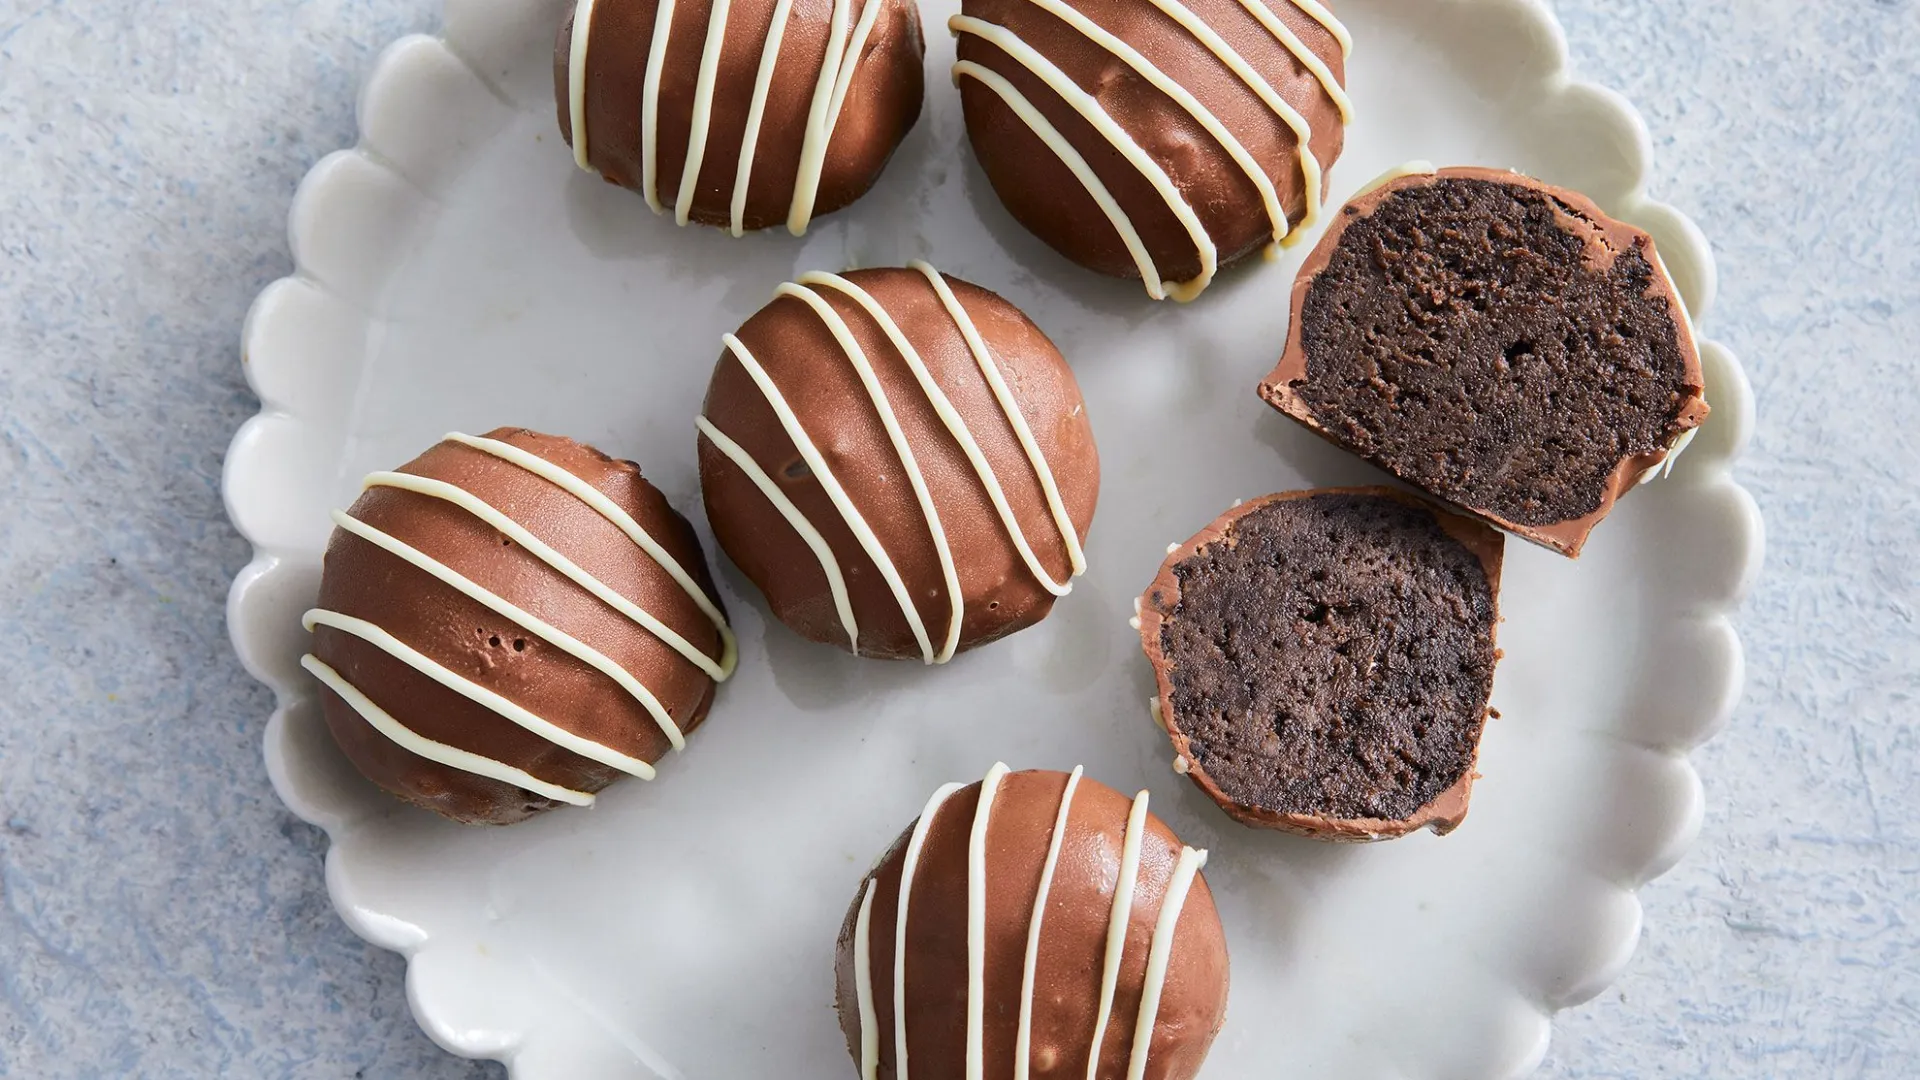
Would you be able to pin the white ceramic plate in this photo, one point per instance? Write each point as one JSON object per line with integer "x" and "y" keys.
{"x": 457, "y": 272}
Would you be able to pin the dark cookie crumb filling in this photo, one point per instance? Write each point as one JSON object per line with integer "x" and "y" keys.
{"x": 1465, "y": 337}
{"x": 1332, "y": 657}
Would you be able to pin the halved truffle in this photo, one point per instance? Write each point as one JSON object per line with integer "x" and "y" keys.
{"x": 1498, "y": 342}
{"x": 1324, "y": 660}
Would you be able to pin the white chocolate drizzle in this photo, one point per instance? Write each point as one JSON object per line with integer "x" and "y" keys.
{"x": 1110, "y": 129}
{"x": 1201, "y": 115}
{"x": 1318, "y": 13}
{"x": 539, "y": 549}
{"x": 831, "y": 85}
{"x": 474, "y": 692}
{"x": 836, "y": 581}
{"x": 607, "y": 508}
{"x": 451, "y": 756}
{"x": 916, "y": 477}
{"x": 863, "y": 985}
{"x": 1228, "y": 55}
{"x": 650, "y": 105}
{"x": 806, "y": 291}
{"x": 1075, "y": 162}
{"x": 702, "y": 109}
{"x": 909, "y": 864}
{"x": 756, "y": 114}
{"x": 811, "y": 137}
{"x": 527, "y": 621}
{"x": 472, "y": 504}
{"x": 856, "y": 522}
{"x": 1123, "y": 142}
{"x": 1118, "y": 918}
{"x": 843, "y": 61}
{"x": 1416, "y": 167}
{"x": 955, "y": 424}
{"x": 1158, "y": 952}
{"x": 1307, "y": 57}
{"x": 1023, "y": 1038}
{"x": 577, "y": 79}
{"x": 977, "y": 923}
{"x": 1076, "y": 557}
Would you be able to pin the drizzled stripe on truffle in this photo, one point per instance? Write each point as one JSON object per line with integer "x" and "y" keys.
{"x": 808, "y": 291}
{"x": 1186, "y": 868}
{"x": 1077, "y": 98}
{"x": 380, "y": 638}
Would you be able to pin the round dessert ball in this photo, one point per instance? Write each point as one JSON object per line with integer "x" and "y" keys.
{"x": 1036, "y": 917}
{"x": 1158, "y": 139}
{"x": 1324, "y": 659}
{"x": 900, "y": 461}
{"x": 510, "y": 622}
{"x": 741, "y": 114}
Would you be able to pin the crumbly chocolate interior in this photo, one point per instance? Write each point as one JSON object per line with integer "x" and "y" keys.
{"x": 1333, "y": 657}
{"x": 1466, "y": 338}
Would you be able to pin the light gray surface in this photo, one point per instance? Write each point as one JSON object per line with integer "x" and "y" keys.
{"x": 164, "y": 916}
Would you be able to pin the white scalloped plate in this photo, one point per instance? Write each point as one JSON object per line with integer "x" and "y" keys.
{"x": 456, "y": 271}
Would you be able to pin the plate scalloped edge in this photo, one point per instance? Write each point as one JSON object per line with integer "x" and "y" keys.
{"x": 320, "y": 317}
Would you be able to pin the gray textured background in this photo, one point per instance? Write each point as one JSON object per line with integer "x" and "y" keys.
{"x": 162, "y": 915}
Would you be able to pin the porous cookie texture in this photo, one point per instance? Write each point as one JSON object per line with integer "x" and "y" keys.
{"x": 900, "y": 461}
{"x": 511, "y": 622}
{"x": 1324, "y": 660}
{"x": 1034, "y": 924}
{"x": 1497, "y": 342}
{"x": 742, "y": 114}
{"x": 1157, "y": 139}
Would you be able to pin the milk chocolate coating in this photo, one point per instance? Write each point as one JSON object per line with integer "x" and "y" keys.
{"x": 1498, "y": 342}
{"x": 1072, "y": 946}
{"x": 998, "y": 592}
{"x": 365, "y": 581}
{"x": 882, "y": 101}
{"x": 1323, "y": 660}
{"x": 1042, "y": 193}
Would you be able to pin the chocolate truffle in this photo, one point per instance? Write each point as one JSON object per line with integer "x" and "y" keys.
{"x": 1033, "y": 924}
{"x": 1496, "y": 341}
{"x": 739, "y": 113}
{"x": 1324, "y": 659}
{"x": 511, "y": 622}
{"x": 900, "y": 461}
{"x": 1157, "y": 139}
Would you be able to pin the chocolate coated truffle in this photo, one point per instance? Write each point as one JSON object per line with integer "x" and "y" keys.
{"x": 1033, "y": 924}
{"x": 900, "y": 461}
{"x": 1324, "y": 660}
{"x": 511, "y": 622}
{"x": 1496, "y": 341}
{"x": 740, "y": 114}
{"x": 1157, "y": 139}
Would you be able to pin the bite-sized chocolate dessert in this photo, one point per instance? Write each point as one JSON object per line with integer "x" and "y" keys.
{"x": 900, "y": 461}
{"x": 1033, "y": 924}
{"x": 1155, "y": 139}
{"x": 741, "y": 114}
{"x": 1324, "y": 660}
{"x": 510, "y": 622}
{"x": 1497, "y": 342}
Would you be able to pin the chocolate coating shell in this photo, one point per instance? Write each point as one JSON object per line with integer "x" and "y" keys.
{"x": 882, "y": 100}
{"x": 998, "y": 591}
{"x": 1362, "y": 627}
{"x": 1069, "y": 961}
{"x": 1043, "y": 193}
{"x": 1470, "y": 391}
{"x": 368, "y": 582}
